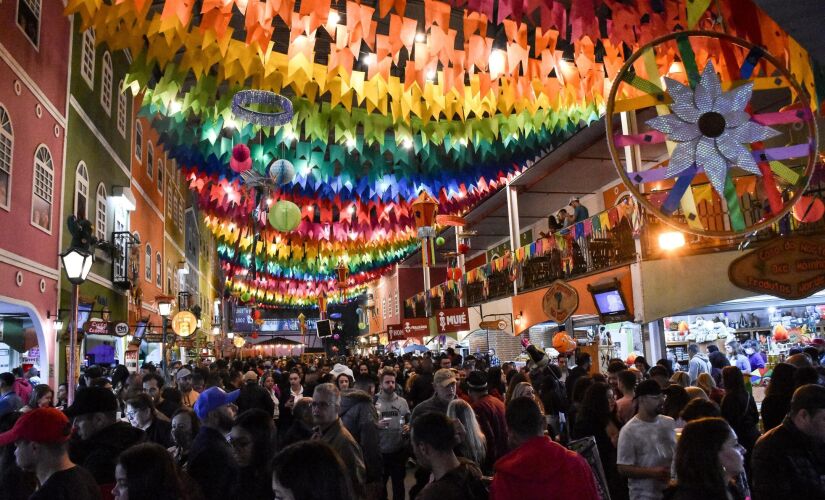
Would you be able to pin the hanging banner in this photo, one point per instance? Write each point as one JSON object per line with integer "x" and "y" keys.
{"x": 415, "y": 328}
{"x": 395, "y": 333}
{"x": 789, "y": 268}
{"x": 452, "y": 320}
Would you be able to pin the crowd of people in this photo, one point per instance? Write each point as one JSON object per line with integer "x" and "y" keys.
{"x": 362, "y": 427}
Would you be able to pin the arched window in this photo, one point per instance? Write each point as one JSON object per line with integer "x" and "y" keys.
{"x": 147, "y": 263}
{"x": 138, "y": 140}
{"x": 81, "y": 191}
{"x": 43, "y": 189}
{"x": 87, "y": 57}
{"x": 28, "y": 18}
{"x": 6, "y": 149}
{"x": 100, "y": 213}
{"x": 121, "y": 109}
{"x": 158, "y": 270}
{"x": 106, "y": 84}
{"x": 169, "y": 277}
{"x": 150, "y": 160}
{"x": 160, "y": 176}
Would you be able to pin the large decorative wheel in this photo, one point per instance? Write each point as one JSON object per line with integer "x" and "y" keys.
{"x": 717, "y": 138}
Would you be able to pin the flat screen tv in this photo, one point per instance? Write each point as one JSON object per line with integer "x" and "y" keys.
{"x": 323, "y": 328}
{"x": 609, "y": 301}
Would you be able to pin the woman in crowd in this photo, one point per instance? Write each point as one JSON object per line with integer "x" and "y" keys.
{"x": 41, "y": 397}
{"x": 737, "y": 357}
{"x": 676, "y": 398}
{"x": 777, "y": 400}
{"x": 739, "y": 409}
{"x": 576, "y": 398}
{"x": 595, "y": 418}
{"x": 706, "y": 382}
{"x": 642, "y": 365}
{"x": 680, "y": 378}
{"x": 472, "y": 444}
{"x": 147, "y": 471}
{"x": 251, "y": 439}
{"x": 185, "y": 426}
{"x": 515, "y": 380}
{"x": 294, "y": 479}
{"x": 495, "y": 383}
{"x": 708, "y": 462}
{"x": 269, "y": 383}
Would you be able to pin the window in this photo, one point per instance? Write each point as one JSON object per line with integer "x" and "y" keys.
{"x": 100, "y": 215}
{"x": 147, "y": 263}
{"x": 121, "y": 109}
{"x": 6, "y": 148}
{"x": 106, "y": 84}
{"x": 28, "y": 18}
{"x": 81, "y": 191}
{"x": 169, "y": 277}
{"x": 138, "y": 140}
{"x": 150, "y": 160}
{"x": 384, "y": 307}
{"x": 43, "y": 188}
{"x": 158, "y": 270}
{"x": 160, "y": 176}
{"x": 396, "y": 304}
{"x": 87, "y": 57}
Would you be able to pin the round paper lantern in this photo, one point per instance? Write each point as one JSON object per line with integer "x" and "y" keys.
{"x": 359, "y": 311}
{"x": 239, "y": 341}
{"x": 439, "y": 241}
{"x": 808, "y": 209}
{"x": 241, "y": 161}
{"x": 463, "y": 248}
{"x": 362, "y": 326}
{"x": 281, "y": 172}
{"x": 284, "y": 216}
{"x": 563, "y": 343}
{"x": 336, "y": 336}
{"x": 184, "y": 323}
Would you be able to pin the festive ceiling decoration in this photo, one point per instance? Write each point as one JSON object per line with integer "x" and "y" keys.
{"x": 387, "y": 101}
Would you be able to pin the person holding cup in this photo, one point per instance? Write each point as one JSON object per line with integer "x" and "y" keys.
{"x": 393, "y": 427}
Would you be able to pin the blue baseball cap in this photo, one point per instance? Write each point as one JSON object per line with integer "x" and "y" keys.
{"x": 212, "y": 399}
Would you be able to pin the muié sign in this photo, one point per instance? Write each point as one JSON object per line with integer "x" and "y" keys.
{"x": 789, "y": 268}
{"x": 452, "y": 320}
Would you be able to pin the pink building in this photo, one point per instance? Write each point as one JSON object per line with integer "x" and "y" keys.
{"x": 34, "y": 57}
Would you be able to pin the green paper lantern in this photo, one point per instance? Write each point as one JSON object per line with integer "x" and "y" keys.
{"x": 362, "y": 326}
{"x": 439, "y": 241}
{"x": 284, "y": 216}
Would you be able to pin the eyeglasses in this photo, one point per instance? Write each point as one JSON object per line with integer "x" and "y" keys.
{"x": 322, "y": 404}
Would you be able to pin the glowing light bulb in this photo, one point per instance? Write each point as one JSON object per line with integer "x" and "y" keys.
{"x": 333, "y": 18}
{"x": 175, "y": 106}
{"x": 351, "y": 142}
{"x": 431, "y": 75}
{"x": 671, "y": 240}
{"x": 497, "y": 62}
{"x": 420, "y": 37}
{"x": 407, "y": 144}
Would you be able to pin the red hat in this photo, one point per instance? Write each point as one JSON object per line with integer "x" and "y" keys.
{"x": 42, "y": 425}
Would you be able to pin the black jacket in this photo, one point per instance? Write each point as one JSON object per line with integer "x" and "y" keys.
{"x": 788, "y": 464}
{"x": 160, "y": 432}
{"x": 359, "y": 416}
{"x": 254, "y": 396}
{"x": 774, "y": 410}
{"x": 212, "y": 465}
{"x": 99, "y": 453}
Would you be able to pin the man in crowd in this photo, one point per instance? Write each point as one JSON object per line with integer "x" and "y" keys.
{"x": 9, "y": 401}
{"x": 140, "y": 410}
{"x": 153, "y": 386}
{"x": 582, "y": 368}
{"x": 41, "y": 437}
{"x": 433, "y": 439}
{"x": 188, "y": 394}
{"x": 490, "y": 414}
{"x": 212, "y": 464}
{"x": 444, "y": 390}
{"x": 100, "y": 436}
{"x": 359, "y": 416}
{"x": 253, "y": 395}
{"x": 580, "y": 212}
{"x": 326, "y": 403}
{"x": 789, "y": 460}
{"x": 422, "y": 385}
{"x": 393, "y": 415}
{"x": 537, "y": 465}
{"x": 646, "y": 445}
{"x": 698, "y": 363}
{"x": 625, "y": 408}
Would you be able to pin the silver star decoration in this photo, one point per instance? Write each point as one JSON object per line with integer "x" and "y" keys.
{"x": 710, "y": 128}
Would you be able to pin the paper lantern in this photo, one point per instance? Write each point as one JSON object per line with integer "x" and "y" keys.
{"x": 245, "y": 297}
{"x": 808, "y": 209}
{"x": 184, "y": 323}
{"x": 239, "y": 341}
{"x": 359, "y": 311}
{"x": 424, "y": 209}
{"x": 563, "y": 343}
{"x": 439, "y": 241}
{"x": 241, "y": 161}
{"x": 281, "y": 172}
{"x": 343, "y": 272}
{"x": 463, "y": 248}
{"x": 284, "y": 216}
{"x": 336, "y": 336}
{"x": 362, "y": 326}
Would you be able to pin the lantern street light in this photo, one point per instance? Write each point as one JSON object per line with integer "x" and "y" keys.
{"x": 424, "y": 210}
{"x": 77, "y": 262}
{"x": 164, "y": 303}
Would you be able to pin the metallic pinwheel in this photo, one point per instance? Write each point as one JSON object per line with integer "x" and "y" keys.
{"x": 709, "y": 127}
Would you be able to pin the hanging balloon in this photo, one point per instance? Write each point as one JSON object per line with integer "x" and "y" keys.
{"x": 808, "y": 209}
{"x": 285, "y": 216}
{"x": 359, "y": 311}
{"x": 439, "y": 241}
{"x": 463, "y": 248}
{"x": 281, "y": 172}
{"x": 241, "y": 160}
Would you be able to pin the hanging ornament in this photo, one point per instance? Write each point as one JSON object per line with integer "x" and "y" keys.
{"x": 239, "y": 341}
{"x": 254, "y": 335}
{"x": 281, "y": 172}
{"x": 359, "y": 311}
{"x": 336, "y": 336}
{"x": 808, "y": 209}
{"x": 284, "y": 216}
{"x": 439, "y": 241}
{"x": 241, "y": 161}
{"x": 463, "y": 248}
{"x": 246, "y": 297}
{"x": 362, "y": 326}
{"x": 244, "y": 98}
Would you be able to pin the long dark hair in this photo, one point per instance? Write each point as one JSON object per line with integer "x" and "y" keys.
{"x": 258, "y": 424}
{"x": 151, "y": 473}
{"x": 594, "y": 412}
{"x": 327, "y": 478}
{"x": 697, "y": 456}
{"x": 733, "y": 381}
{"x": 782, "y": 380}
{"x": 39, "y": 391}
{"x": 494, "y": 380}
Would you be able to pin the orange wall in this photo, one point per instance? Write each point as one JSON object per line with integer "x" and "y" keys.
{"x": 529, "y": 304}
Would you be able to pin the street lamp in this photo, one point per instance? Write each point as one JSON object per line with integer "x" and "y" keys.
{"x": 77, "y": 262}
{"x": 164, "y": 303}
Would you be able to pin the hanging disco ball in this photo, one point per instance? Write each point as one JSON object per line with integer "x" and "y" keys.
{"x": 281, "y": 172}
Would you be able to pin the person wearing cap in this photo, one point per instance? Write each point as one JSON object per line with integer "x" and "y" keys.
{"x": 490, "y": 414}
{"x": 184, "y": 380}
{"x": 646, "y": 445}
{"x": 99, "y": 436}
{"x": 9, "y": 400}
{"x": 212, "y": 464}
{"x": 41, "y": 437}
{"x": 444, "y": 391}
{"x": 580, "y": 212}
{"x": 789, "y": 461}
{"x": 342, "y": 376}
{"x": 253, "y": 395}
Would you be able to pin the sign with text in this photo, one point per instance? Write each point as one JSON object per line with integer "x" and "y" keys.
{"x": 560, "y": 301}
{"x": 452, "y": 320}
{"x": 493, "y": 325}
{"x": 789, "y": 268}
{"x": 395, "y": 333}
{"x": 97, "y": 327}
{"x": 411, "y": 328}
{"x": 244, "y": 323}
